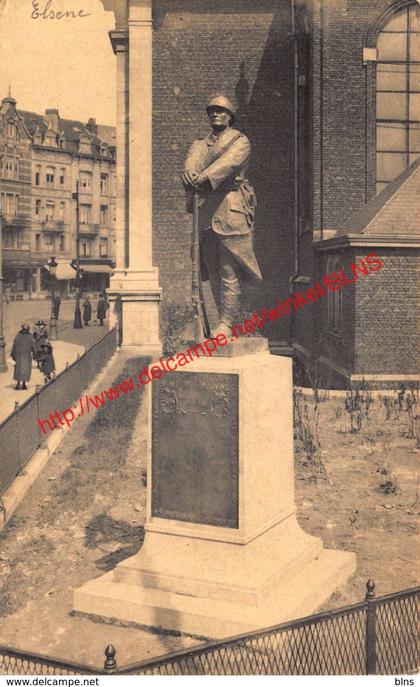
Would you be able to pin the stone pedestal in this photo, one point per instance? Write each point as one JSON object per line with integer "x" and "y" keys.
{"x": 223, "y": 552}
{"x": 134, "y": 297}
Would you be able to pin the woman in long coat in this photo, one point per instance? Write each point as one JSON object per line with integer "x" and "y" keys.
{"x": 87, "y": 311}
{"x": 22, "y": 351}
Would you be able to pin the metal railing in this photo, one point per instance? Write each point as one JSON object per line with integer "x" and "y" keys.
{"x": 377, "y": 636}
{"x": 20, "y": 433}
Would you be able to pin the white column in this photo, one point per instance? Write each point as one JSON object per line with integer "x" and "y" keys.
{"x": 135, "y": 283}
{"x": 119, "y": 40}
{"x": 140, "y": 131}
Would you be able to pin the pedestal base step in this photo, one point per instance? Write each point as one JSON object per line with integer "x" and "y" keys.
{"x": 298, "y": 596}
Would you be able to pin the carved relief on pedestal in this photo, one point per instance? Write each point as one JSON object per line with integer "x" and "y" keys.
{"x": 197, "y": 482}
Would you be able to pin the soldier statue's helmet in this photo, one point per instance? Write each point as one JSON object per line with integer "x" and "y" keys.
{"x": 223, "y": 102}
{"x": 25, "y": 327}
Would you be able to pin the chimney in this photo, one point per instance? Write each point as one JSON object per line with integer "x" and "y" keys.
{"x": 52, "y": 118}
{"x": 91, "y": 126}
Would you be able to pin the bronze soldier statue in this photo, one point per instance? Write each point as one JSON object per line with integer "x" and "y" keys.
{"x": 216, "y": 168}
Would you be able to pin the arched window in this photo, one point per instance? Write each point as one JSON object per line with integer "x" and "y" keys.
{"x": 398, "y": 95}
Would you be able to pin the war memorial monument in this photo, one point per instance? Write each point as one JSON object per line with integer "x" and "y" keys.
{"x": 223, "y": 551}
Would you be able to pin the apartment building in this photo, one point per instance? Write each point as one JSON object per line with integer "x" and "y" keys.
{"x": 44, "y": 160}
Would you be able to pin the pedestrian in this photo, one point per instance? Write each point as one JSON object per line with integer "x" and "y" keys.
{"x": 56, "y": 306}
{"x": 7, "y": 293}
{"x": 87, "y": 311}
{"x": 37, "y": 347}
{"x": 40, "y": 335}
{"x": 101, "y": 309}
{"x": 22, "y": 351}
{"x": 47, "y": 363}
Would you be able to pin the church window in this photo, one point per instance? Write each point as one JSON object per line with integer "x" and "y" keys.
{"x": 398, "y": 95}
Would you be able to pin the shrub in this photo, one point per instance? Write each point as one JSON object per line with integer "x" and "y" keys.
{"x": 357, "y": 404}
{"x": 175, "y": 321}
{"x": 306, "y": 423}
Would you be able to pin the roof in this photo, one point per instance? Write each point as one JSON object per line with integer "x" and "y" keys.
{"x": 394, "y": 211}
{"x": 107, "y": 134}
{"x": 72, "y": 129}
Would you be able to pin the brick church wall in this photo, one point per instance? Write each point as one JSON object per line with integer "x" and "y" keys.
{"x": 337, "y": 346}
{"x": 386, "y": 315}
{"x": 343, "y": 148}
{"x": 243, "y": 49}
{"x": 343, "y": 179}
{"x": 379, "y": 333}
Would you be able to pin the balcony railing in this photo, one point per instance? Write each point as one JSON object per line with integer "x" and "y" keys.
{"x": 89, "y": 228}
{"x": 53, "y": 225}
{"x": 18, "y": 256}
{"x": 22, "y": 247}
{"x": 18, "y": 220}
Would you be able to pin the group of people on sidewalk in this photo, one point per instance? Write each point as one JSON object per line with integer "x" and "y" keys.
{"x": 29, "y": 346}
{"x": 101, "y": 308}
{"x": 36, "y": 346}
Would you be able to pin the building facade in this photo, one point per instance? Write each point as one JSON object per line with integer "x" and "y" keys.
{"x": 19, "y": 263}
{"x": 43, "y": 161}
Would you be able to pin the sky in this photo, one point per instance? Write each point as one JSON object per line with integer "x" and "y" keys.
{"x": 66, "y": 64}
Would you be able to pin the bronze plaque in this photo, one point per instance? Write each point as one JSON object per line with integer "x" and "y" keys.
{"x": 195, "y": 448}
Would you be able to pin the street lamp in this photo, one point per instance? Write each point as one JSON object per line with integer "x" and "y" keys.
{"x": 3, "y": 364}
{"x": 52, "y": 264}
{"x": 77, "y": 323}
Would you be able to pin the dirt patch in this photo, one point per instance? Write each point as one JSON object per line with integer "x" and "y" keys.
{"x": 357, "y": 486}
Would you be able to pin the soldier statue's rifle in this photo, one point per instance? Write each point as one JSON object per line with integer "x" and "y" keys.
{"x": 201, "y": 323}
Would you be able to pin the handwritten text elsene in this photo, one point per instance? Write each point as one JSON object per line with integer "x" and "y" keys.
{"x": 49, "y": 12}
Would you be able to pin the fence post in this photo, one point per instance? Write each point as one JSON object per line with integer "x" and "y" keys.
{"x": 110, "y": 663}
{"x": 370, "y": 629}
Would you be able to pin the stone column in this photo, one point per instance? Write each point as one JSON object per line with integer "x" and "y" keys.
{"x": 135, "y": 283}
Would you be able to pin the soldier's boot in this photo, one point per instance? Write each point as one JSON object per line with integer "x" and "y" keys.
{"x": 229, "y": 306}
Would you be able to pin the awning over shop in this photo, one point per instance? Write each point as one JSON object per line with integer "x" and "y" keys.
{"x": 63, "y": 271}
{"x": 102, "y": 269}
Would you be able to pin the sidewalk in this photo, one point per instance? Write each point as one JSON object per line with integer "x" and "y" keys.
{"x": 70, "y": 344}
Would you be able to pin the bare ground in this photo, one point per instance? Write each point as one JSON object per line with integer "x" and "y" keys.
{"x": 357, "y": 490}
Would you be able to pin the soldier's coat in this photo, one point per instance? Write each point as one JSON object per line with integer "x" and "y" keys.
{"x": 226, "y": 207}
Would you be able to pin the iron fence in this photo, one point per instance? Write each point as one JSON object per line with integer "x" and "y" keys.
{"x": 15, "y": 662}
{"x": 375, "y": 636}
{"x": 20, "y": 433}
